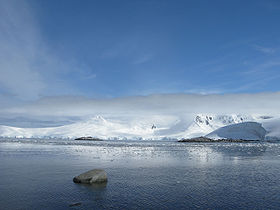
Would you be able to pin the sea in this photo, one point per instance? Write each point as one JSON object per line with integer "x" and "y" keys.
{"x": 38, "y": 174}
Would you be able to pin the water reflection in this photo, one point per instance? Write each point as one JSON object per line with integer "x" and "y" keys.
{"x": 242, "y": 149}
{"x": 100, "y": 187}
{"x": 146, "y": 153}
{"x": 142, "y": 175}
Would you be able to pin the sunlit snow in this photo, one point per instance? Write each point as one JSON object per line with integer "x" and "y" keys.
{"x": 154, "y": 127}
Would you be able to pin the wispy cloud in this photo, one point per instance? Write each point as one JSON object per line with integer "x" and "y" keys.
{"x": 19, "y": 50}
{"x": 123, "y": 48}
{"x": 272, "y": 5}
{"x": 204, "y": 91}
{"x": 263, "y": 67}
{"x": 90, "y": 76}
{"x": 256, "y": 83}
{"x": 143, "y": 58}
{"x": 266, "y": 50}
{"x": 257, "y": 76}
{"x": 28, "y": 67}
{"x": 129, "y": 50}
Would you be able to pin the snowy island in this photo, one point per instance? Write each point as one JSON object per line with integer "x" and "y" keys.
{"x": 158, "y": 127}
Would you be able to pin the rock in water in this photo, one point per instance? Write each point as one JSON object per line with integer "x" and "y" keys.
{"x": 75, "y": 204}
{"x": 91, "y": 177}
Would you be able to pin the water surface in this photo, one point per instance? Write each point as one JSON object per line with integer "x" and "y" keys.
{"x": 37, "y": 174}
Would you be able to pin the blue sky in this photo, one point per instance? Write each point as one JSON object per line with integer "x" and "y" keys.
{"x": 107, "y": 49}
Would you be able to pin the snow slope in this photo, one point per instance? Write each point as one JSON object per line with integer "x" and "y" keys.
{"x": 97, "y": 127}
{"x": 244, "y": 130}
{"x": 149, "y": 127}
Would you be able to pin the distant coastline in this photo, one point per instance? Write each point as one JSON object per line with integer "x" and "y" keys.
{"x": 205, "y": 139}
{"x": 88, "y": 138}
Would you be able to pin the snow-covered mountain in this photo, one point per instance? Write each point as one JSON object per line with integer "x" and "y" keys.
{"x": 206, "y": 123}
{"x": 150, "y": 127}
{"x": 97, "y": 127}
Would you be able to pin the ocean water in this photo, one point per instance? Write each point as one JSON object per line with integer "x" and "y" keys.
{"x": 37, "y": 174}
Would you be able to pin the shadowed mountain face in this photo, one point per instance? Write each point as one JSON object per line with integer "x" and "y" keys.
{"x": 246, "y": 130}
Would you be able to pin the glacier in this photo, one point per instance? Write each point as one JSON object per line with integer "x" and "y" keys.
{"x": 157, "y": 127}
{"x": 244, "y": 130}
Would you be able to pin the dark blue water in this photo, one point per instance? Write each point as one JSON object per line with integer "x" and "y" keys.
{"x": 37, "y": 174}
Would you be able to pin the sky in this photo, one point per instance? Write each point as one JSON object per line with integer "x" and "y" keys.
{"x": 110, "y": 50}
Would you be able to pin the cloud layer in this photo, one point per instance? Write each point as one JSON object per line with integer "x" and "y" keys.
{"x": 184, "y": 105}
